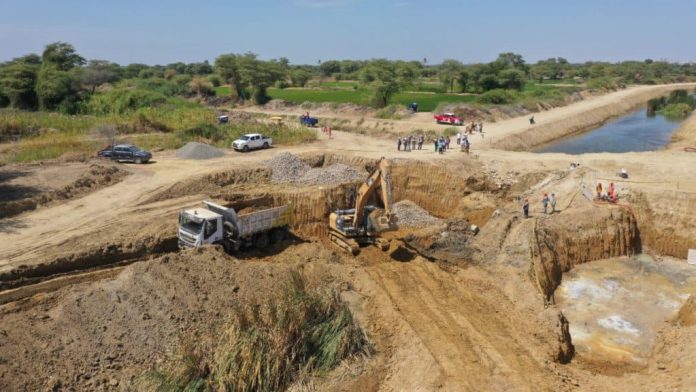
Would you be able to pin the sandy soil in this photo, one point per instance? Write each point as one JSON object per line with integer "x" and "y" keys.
{"x": 475, "y": 320}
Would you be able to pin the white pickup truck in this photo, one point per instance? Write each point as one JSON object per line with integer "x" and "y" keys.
{"x": 252, "y": 141}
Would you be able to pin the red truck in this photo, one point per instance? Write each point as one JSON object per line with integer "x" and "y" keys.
{"x": 448, "y": 118}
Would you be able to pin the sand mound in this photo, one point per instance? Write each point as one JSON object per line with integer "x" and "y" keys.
{"x": 194, "y": 150}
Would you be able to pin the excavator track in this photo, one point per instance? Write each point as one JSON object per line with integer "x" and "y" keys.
{"x": 346, "y": 244}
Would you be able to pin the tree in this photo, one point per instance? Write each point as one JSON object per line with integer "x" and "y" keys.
{"x": 450, "y": 71}
{"x": 512, "y": 60}
{"x": 386, "y": 78}
{"x": 227, "y": 67}
{"x": 330, "y": 67}
{"x": 98, "y": 72}
{"x": 18, "y": 79}
{"x": 201, "y": 86}
{"x": 61, "y": 55}
{"x": 511, "y": 79}
{"x": 299, "y": 77}
{"x": 54, "y": 86}
{"x": 259, "y": 75}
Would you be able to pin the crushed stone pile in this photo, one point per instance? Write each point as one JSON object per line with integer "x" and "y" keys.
{"x": 195, "y": 150}
{"x": 288, "y": 168}
{"x": 408, "y": 213}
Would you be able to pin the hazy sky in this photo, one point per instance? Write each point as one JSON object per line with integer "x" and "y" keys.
{"x": 161, "y": 32}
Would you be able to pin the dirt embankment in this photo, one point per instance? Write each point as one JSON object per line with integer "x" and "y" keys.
{"x": 103, "y": 335}
{"x": 591, "y": 117}
{"x": 578, "y": 237}
{"x": 685, "y": 135}
{"x": 667, "y": 220}
{"x": 18, "y": 197}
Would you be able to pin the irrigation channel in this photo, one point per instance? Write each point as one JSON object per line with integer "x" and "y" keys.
{"x": 616, "y": 307}
{"x": 634, "y": 132}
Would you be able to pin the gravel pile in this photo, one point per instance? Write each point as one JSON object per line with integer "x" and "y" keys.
{"x": 288, "y": 168}
{"x": 194, "y": 150}
{"x": 335, "y": 174}
{"x": 408, "y": 213}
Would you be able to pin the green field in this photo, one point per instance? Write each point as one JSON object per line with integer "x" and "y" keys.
{"x": 426, "y": 101}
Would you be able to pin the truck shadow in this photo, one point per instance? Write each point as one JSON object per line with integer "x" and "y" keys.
{"x": 270, "y": 250}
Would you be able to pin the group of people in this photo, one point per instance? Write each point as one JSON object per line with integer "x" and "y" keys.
{"x": 440, "y": 143}
{"x": 611, "y": 195}
{"x": 411, "y": 142}
{"x": 546, "y": 201}
{"x": 474, "y": 127}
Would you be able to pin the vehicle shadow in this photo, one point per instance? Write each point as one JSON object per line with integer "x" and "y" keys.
{"x": 271, "y": 250}
{"x": 11, "y": 225}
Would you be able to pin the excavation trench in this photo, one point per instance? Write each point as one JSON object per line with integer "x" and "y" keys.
{"x": 615, "y": 298}
{"x": 247, "y": 189}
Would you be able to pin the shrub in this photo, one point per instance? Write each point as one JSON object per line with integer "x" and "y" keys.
{"x": 121, "y": 101}
{"x": 603, "y": 83}
{"x": 498, "y": 97}
{"x": 675, "y": 111}
{"x": 214, "y": 80}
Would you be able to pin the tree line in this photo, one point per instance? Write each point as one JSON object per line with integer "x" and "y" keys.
{"x": 62, "y": 80}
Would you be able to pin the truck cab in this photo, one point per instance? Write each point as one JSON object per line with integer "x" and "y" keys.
{"x": 200, "y": 226}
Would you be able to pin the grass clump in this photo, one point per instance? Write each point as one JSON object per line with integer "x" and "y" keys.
{"x": 268, "y": 344}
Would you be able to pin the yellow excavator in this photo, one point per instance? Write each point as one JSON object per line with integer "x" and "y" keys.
{"x": 362, "y": 225}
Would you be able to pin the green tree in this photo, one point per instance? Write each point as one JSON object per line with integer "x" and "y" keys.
{"x": 62, "y": 56}
{"x": 299, "y": 77}
{"x": 98, "y": 72}
{"x": 512, "y": 60}
{"x": 55, "y": 87}
{"x": 512, "y": 79}
{"x": 386, "y": 78}
{"x": 18, "y": 80}
{"x": 227, "y": 67}
{"x": 200, "y": 86}
{"x": 450, "y": 72}
{"x": 259, "y": 75}
{"x": 330, "y": 67}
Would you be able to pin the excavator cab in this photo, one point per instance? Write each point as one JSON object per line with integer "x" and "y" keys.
{"x": 352, "y": 228}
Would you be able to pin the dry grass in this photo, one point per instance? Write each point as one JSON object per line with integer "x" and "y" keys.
{"x": 268, "y": 344}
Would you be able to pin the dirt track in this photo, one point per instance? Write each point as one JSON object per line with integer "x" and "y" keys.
{"x": 474, "y": 322}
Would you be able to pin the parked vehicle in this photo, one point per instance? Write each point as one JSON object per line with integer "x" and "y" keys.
{"x": 219, "y": 224}
{"x": 125, "y": 153}
{"x": 252, "y": 141}
{"x": 448, "y": 118}
{"x": 309, "y": 121}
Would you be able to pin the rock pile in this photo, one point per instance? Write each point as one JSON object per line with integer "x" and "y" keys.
{"x": 288, "y": 168}
{"x": 194, "y": 150}
{"x": 408, "y": 213}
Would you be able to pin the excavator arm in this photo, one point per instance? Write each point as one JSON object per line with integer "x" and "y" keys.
{"x": 380, "y": 178}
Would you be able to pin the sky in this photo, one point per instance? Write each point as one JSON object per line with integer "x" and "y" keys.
{"x": 307, "y": 31}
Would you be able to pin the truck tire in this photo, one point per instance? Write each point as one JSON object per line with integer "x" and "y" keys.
{"x": 245, "y": 148}
{"x": 277, "y": 235}
{"x": 265, "y": 144}
{"x": 261, "y": 241}
{"x": 228, "y": 247}
{"x": 138, "y": 161}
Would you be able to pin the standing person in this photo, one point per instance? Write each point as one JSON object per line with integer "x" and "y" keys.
{"x": 552, "y": 200}
{"x": 545, "y": 201}
{"x": 459, "y": 137}
{"x": 531, "y": 121}
{"x": 398, "y": 143}
{"x": 481, "y": 126}
{"x": 413, "y": 142}
{"x": 328, "y": 129}
{"x": 421, "y": 139}
{"x": 525, "y": 208}
{"x": 435, "y": 143}
{"x": 447, "y": 143}
{"x": 599, "y": 190}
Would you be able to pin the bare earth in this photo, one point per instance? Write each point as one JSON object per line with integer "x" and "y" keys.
{"x": 473, "y": 320}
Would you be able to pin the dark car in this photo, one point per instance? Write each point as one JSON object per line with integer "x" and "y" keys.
{"x": 125, "y": 153}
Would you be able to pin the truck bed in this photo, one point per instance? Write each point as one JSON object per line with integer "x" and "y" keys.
{"x": 259, "y": 221}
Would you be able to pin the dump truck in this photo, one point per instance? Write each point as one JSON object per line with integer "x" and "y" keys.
{"x": 220, "y": 224}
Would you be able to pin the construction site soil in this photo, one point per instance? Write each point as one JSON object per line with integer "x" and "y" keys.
{"x": 96, "y": 292}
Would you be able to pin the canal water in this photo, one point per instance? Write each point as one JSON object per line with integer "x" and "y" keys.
{"x": 616, "y": 307}
{"x": 634, "y": 132}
